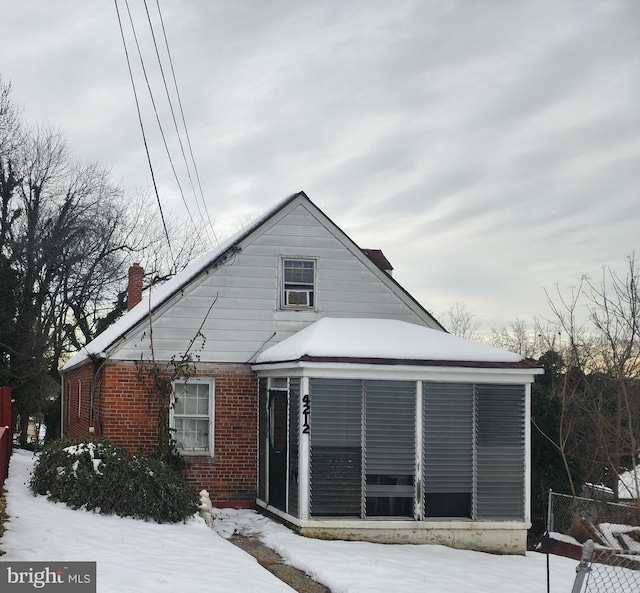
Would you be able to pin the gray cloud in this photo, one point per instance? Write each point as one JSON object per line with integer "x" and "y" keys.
{"x": 490, "y": 148}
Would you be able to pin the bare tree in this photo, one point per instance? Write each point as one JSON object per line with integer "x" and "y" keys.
{"x": 600, "y": 390}
{"x": 9, "y": 120}
{"x": 461, "y": 322}
{"x": 68, "y": 237}
{"x": 518, "y": 337}
{"x": 614, "y": 307}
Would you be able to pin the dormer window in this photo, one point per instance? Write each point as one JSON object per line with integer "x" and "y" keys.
{"x": 299, "y": 279}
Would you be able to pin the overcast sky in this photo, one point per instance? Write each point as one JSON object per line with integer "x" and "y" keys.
{"x": 491, "y": 149}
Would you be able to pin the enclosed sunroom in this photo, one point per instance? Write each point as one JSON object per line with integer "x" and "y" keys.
{"x": 386, "y": 431}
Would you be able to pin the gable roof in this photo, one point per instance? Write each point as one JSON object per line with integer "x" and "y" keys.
{"x": 209, "y": 261}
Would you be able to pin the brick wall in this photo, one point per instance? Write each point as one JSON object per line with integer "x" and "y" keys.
{"x": 129, "y": 418}
{"x": 77, "y": 401}
{"x": 234, "y": 476}
{"x": 127, "y": 414}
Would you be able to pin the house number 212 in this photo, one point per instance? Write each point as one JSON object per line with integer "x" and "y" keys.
{"x": 305, "y": 414}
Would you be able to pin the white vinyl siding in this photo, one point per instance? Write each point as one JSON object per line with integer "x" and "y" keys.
{"x": 247, "y": 314}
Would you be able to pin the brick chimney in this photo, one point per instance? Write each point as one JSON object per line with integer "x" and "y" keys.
{"x": 134, "y": 288}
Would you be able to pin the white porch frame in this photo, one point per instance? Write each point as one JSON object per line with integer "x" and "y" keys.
{"x": 493, "y": 536}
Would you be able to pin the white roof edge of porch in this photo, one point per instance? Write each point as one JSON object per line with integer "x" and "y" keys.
{"x": 387, "y": 347}
{"x": 328, "y": 370}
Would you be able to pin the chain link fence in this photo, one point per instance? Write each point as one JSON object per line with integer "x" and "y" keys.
{"x": 603, "y": 535}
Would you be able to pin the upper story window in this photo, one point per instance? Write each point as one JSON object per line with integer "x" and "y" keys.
{"x": 299, "y": 280}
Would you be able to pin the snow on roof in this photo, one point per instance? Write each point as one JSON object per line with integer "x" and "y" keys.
{"x": 160, "y": 294}
{"x": 382, "y": 339}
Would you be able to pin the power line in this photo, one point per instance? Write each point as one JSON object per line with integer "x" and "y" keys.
{"x": 153, "y": 103}
{"x": 144, "y": 136}
{"x": 184, "y": 123}
{"x": 173, "y": 115}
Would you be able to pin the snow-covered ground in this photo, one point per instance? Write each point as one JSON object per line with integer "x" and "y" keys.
{"x": 141, "y": 557}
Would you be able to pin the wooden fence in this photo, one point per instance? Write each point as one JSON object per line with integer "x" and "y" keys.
{"x": 7, "y": 425}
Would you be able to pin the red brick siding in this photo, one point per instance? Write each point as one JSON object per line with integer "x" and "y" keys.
{"x": 77, "y": 384}
{"x": 233, "y": 477}
{"x": 129, "y": 417}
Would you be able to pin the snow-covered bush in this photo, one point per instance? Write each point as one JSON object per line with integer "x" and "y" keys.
{"x": 99, "y": 476}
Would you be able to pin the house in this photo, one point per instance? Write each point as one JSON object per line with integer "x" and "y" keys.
{"x": 323, "y": 392}
{"x": 629, "y": 486}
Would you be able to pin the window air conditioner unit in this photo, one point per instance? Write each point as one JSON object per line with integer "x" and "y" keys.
{"x": 297, "y": 298}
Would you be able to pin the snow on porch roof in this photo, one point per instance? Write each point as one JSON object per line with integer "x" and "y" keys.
{"x": 383, "y": 339}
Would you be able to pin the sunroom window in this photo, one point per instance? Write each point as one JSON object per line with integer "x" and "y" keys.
{"x": 298, "y": 283}
{"x": 192, "y": 415}
{"x": 364, "y": 450}
{"x": 348, "y": 458}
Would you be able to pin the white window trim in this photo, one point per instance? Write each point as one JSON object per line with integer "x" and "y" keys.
{"x": 207, "y": 381}
{"x": 282, "y": 290}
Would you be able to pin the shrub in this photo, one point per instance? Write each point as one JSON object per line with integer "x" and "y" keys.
{"x": 102, "y": 477}
{"x": 3, "y": 517}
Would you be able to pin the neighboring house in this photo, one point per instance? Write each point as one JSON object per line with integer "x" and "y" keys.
{"x": 629, "y": 486}
{"x": 324, "y": 392}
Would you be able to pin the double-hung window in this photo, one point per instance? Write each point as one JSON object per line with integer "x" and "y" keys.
{"x": 299, "y": 279}
{"x": 192, "y": 415}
